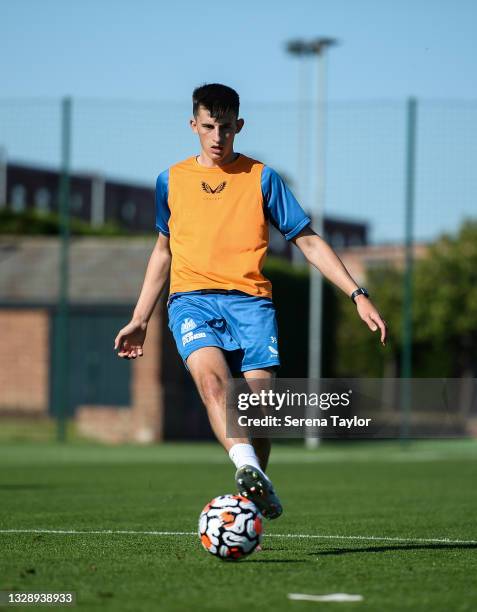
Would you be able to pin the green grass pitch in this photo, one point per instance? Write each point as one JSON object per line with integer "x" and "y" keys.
{"x": 379, "y": 510}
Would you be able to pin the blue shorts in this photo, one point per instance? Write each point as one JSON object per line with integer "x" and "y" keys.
{"x": 242, "y": 325}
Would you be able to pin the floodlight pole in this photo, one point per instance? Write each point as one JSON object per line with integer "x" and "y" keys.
{"x": 303, "y": 131}
{"x": 3, "y": 177}
{"x": 315, "y": 316}
{"x": 62, "y": 318}
{"x": 317, "y": 47}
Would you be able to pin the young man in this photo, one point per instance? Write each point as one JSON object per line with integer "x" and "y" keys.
{"x": 212, "y": 213}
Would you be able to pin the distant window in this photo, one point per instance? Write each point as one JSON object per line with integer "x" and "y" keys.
{"x": 355, "y": 240}
{"x": 128, "y": 210}
{"x": 76, "y": 202}
{"x": 18, "y": 198}
{"x": 42, "y": 200}
{"x": 337, "y": 240}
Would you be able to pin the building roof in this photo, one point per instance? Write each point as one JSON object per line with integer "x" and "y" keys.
{"x": 102, "y": 270}
{"x": 111, "y": 270}
{"x": 360, "y": 259}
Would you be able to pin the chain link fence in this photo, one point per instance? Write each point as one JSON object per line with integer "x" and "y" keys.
{"x": 118, "y": 147}
{"x": 131, "y": 142}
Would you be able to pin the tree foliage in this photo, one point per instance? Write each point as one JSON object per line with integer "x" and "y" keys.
{"x": 446, "y": 287}
{"x": 445, "y": 306}
{"x": 444, "y": 314}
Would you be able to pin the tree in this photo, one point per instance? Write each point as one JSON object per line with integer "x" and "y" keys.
{"x": 358, "y": 351}
{"x": 445, "y": 311}
{"x": 444, "y": 315}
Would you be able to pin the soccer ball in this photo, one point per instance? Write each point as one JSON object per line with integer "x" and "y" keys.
{"x": 230, "y": 527}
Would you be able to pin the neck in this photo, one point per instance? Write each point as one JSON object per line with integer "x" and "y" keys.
{"x": 204, "y": 160}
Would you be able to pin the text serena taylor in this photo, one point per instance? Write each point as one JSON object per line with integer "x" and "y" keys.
{"x": 289, "y": 421}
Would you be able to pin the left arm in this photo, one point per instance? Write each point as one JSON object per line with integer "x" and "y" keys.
{"x": 318, "y": 252}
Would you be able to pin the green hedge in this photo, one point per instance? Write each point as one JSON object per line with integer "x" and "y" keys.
{"x": 34, "y": 223}
{"x": 290, "y": 295}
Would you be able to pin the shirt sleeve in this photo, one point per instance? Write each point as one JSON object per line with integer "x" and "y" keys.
{"x": 162, "y": 203}
{"x": 281, "y": 205}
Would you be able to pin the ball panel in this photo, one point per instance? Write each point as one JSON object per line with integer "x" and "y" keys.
{"x": 258, "y": 525}
{"x": 230, "y": 527}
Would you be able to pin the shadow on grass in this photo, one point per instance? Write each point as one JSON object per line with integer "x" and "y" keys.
{"x": 379, "y": 549}
{"x": 277, "y": 561}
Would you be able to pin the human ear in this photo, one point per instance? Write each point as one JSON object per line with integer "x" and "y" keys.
{"x": 193, "y": 125}
{"x": 239, "y": 125}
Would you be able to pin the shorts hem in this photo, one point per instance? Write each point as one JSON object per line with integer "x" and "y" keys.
{"x": 258, "y": 366}
{"x": 196, "y": 348}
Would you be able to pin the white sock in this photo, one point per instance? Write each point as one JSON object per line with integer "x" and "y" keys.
{"x": 244, "y": 454}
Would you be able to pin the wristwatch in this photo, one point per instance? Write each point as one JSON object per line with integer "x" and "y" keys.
{"x": 360, "y": 291}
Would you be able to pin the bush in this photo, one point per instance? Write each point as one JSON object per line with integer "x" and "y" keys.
{"x": 34, "y": 223}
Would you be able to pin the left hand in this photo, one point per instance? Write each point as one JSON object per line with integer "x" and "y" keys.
{"x": 368, "y": 312}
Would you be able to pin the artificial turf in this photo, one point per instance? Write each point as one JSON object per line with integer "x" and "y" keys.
{"x": 424, "y": 490}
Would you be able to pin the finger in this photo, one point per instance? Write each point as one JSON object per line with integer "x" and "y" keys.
{"x": 382, "y": 327}
{"x": 125, "y": 349}
{"x": 378, "y": 322}
{"x": 117, "y": 341}
{"x": 137, "y": 348}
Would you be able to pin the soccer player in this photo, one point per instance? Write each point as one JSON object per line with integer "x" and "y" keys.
{"x": 212, "y": 213}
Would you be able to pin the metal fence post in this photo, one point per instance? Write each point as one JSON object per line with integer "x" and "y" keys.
{"x": 406, "y": 354}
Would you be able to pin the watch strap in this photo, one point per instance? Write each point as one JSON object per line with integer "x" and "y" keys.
{"x": 359, "y": 291}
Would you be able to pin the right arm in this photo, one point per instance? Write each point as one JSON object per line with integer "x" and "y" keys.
{"x": 129, "y": 341}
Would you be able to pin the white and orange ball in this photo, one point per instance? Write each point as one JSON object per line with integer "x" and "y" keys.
{"x": 230, "y": 527}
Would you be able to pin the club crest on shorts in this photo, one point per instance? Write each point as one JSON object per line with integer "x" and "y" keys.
{"x": 187, "y": 325}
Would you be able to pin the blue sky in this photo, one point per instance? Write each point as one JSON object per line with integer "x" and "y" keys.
{"x": 158, "y": 51}
{"x": 155, "y": 49}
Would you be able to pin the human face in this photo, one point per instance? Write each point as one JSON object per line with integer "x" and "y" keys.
{"x": 216, "y": 137}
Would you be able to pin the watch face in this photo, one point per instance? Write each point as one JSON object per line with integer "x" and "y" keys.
{"x": 360, "y": 291}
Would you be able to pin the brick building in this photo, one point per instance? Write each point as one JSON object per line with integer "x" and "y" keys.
{"x": 113, "y": 400}
{"x": 359, "y": 259}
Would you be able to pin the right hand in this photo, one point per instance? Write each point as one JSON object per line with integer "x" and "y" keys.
{"x": 130, "y": 340}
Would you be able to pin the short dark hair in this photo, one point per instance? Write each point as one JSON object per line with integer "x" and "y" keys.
{"x": 218, "y": 99}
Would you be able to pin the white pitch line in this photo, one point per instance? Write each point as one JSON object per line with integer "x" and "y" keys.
{"x": 270, "y": 535}
{"x": 377, "y": 538}
{"x": 100, "y": 532}
{"x": 330, "y": 597}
